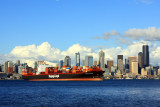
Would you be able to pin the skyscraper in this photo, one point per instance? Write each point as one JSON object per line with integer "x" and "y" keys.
{"x": 126, "y": 63}
{"x": 140, "y": 59}
{"x": 140, "y": 62}
{"x": 60, "y": 63}
{"x": 6, "y": 67}
{"x": 145, "y": 55}
{"x": 35, "y": 65}
{"x": 77, "y": 59}
{"x": 131, "y": 59}
{"x": 134, "y": 67}
{"x": 109, "y": 65}
{"x": 120, "y": 63}
{"x": 67, "y": 61}
{"x": 10, "y": 67}
{"x": 101, "y": 59}
{"x": 89, "y": 61}
{"x": 83, "y": 62}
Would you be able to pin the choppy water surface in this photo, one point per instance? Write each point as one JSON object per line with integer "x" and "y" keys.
{"x": 128, "y": 93}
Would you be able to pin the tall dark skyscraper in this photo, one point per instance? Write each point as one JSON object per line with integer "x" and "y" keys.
{"x": 140, "y": 59}
{"x": 145, "y": 55}
{"x": 126, "y": 63}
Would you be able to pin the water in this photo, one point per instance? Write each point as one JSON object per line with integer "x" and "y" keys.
{"x": 128, "y": 93}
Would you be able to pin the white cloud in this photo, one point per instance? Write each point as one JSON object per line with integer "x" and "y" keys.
{"x": 38, "y": 52}
{"x": 46, "y": 52}
{"x": 149, "y": 34}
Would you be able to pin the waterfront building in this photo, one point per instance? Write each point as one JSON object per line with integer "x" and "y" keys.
{"x": 131, "y": 59}
{"x": 6, "y": 67}
{"x": 113, "y": 70}
{"x": 143, "y": 72}
{"x": 89, "y": 61}
{"x": 41, "y": 62}
{"x": 118, "y": 73}
{"x": 83, "y": 62}
{"x": 135, "y": 67}
{"x": 64, "y": 64}
{"x": 155, "y": 73}
{"x": 20, "y": 69}
{"x": 149, "y": 70}
{"x": 145, "y": 56}
{"x": 2, "y": 68}
{"x": 95, "y": 63}
{"x": 25, "y": 65}
{"x": 18, "y": 62}
{"x": 126, "y": 70}
{"x": 109, "y": 65}
{"x": 14, "y": 68}
{"x": 10, "y": 67}
{"x": 106, "y": 73}
{"x": 101, "y": 59}
{"x": 60, "y": 63}
{"x": 67, "y": 61}
{"x": 120, "y": 63}
{"x": 77, "y": 59}
{"x": 155, "y": 68}
{"x": 158, "y": 72}
{"x": 35, "y": 65}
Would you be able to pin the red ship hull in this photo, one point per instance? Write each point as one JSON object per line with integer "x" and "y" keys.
{"x": 88, "y": 76}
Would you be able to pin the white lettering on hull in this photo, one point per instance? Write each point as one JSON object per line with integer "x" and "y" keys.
{"x": 53, "y": 76}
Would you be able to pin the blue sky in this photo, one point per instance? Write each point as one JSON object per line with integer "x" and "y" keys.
{"x": 66, "y": 22}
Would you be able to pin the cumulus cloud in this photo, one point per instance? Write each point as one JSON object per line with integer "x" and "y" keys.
{"x": 107, "y": 35}
{"x": 46, "y": 52}
{"x": 38, "y": 52}
{"x": 149, "y": 34}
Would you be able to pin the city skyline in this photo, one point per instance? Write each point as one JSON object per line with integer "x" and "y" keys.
{"x": 72, "y": 55}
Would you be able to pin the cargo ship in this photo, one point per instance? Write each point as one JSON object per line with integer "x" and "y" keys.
{"x": 76, "y": 73}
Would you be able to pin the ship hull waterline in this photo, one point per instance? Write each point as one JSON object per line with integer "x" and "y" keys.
{"x": 75, "y": 79}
